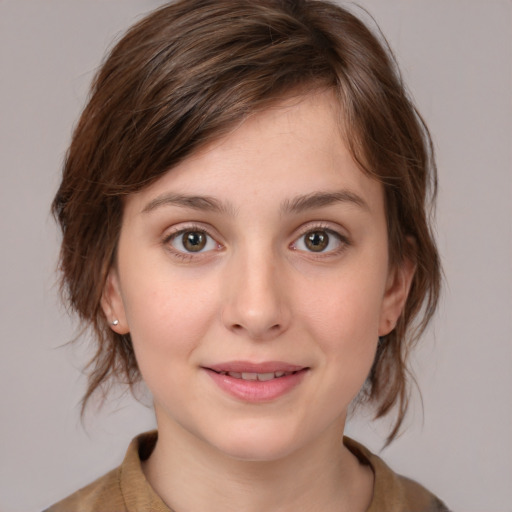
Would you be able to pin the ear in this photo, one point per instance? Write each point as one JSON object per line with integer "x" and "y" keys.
{"x": 112, "y": 303}
{"x": 397, "y": 290}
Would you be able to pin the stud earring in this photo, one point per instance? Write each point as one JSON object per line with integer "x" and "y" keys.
{"x": 115, "y": 322}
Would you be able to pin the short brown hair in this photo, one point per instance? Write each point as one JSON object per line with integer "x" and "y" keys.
{"x": 185, "y": 75}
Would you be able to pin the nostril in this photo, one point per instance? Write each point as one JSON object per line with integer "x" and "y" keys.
{"x": 258, "y": 333}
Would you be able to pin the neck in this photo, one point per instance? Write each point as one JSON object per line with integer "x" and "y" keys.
{"x": 189, "y": 474}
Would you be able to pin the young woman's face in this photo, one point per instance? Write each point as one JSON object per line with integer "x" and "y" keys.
{"x": 254, "y": 281}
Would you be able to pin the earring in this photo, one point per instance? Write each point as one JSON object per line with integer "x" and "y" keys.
{"x": 115, "y": 322}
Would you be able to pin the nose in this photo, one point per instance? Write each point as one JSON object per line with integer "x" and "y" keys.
{"x": 255, "y": 303}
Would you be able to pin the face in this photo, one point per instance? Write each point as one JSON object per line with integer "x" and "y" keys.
{"x": 254, "y": 281}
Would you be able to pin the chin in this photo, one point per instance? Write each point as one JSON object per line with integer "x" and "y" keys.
{"x": 260, "y": 443}
{"x": 257, "y": 452}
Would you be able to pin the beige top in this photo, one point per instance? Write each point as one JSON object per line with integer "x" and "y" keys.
{"x": 125, "y": 489}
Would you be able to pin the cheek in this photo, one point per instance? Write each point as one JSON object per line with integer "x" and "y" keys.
{"x": 167, "y": 318}
{"x": 344, "y": 321}
{"x": 344, "y": 307}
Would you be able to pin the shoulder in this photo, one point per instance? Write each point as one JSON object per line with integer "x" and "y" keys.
{"x": 419, "y": 498}
{"x": 104, "y": 493}
{"x": 414, "y": 493}
{"x": 393, "y": 492}
{"x": 122, "y": 489}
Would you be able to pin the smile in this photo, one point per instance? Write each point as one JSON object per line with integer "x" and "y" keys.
{"x": 256, "y": 383}
{"x": 262, "y": 377}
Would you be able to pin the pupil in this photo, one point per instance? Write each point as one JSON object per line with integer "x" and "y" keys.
{"x": 317, "y": 241}
{"x": 194, "y": 241}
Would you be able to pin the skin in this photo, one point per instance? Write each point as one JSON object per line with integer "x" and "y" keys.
{"x": 257, "y": 292}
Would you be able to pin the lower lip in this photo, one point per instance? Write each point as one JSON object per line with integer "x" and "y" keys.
{"x": 254, "y": 390}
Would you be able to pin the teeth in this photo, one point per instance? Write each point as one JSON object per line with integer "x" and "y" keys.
{"x": 265, "y": 376}
{"x": 256, "y": 376}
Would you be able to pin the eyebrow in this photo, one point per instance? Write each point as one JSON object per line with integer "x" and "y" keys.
{"x": 296, "y": 205}
{"x": 321, "y": 199}
{"x": 201, "y": 203}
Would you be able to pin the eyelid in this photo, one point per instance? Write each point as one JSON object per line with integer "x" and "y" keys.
{"x": 321, "y": 225}
{"x": 180, "y": 229}
{"x": 310, "y": 227}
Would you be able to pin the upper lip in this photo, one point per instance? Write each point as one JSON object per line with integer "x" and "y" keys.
{"x": 250, "y": 367}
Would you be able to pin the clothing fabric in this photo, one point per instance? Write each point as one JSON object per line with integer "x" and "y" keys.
{"x": 125, "y": 489}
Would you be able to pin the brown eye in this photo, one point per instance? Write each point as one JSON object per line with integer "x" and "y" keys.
{"x": 194, "y": 241}
{"x": 316, "y": 241}
{"x": 320, "y": 240}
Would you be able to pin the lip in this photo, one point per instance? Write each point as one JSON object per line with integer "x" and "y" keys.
{"x": 256, "y": 391}
{"x": 246, "y": 366}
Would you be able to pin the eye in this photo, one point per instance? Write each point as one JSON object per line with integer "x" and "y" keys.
{"x": 319, "y": 240}
{"x": 192, "y": 241}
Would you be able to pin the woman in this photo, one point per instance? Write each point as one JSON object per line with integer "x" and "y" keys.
{"x": 244, "y": 221}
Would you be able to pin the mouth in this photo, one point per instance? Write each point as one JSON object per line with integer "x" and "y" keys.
{"x": 252, "y": 376}
{"x": 256, "y": 382}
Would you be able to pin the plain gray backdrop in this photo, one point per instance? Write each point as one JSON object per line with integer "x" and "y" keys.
{"x": 456, "y": 56}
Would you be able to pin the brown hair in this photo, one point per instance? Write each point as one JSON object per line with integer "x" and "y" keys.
{"x": 185, "y": 75}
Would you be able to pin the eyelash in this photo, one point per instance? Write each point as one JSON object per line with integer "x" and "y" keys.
{"x": 343, "y": 241}
{"x": 187, "y": 256}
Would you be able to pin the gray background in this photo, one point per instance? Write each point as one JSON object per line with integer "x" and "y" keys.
{"x": 456, "y": 56}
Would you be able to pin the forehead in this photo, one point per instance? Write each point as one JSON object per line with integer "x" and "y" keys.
{"x": 292, "y": 148}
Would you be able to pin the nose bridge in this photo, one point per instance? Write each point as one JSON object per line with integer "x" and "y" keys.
{"x": 255, "y": 300}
